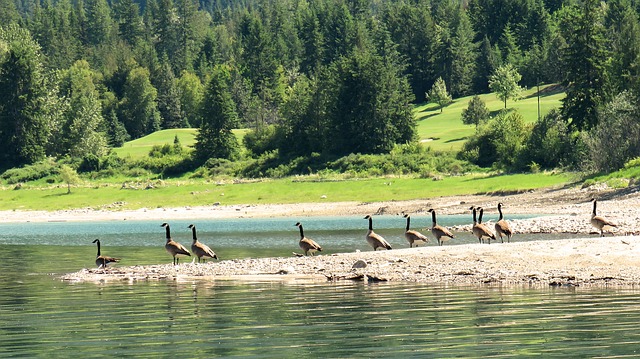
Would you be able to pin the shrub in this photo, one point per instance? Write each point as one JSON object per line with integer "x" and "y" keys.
{"x": 32, "y": 172}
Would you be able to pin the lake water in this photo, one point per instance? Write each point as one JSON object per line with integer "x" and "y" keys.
{"x": 42, "y": 316}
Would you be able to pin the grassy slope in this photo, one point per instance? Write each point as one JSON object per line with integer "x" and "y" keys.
{"x": 140, "y": 147}
{"x": 176, "y": 193}
{"x": 447, "y": 131}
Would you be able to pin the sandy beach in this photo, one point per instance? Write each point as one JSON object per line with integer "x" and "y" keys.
{"x": 612, "y": 260}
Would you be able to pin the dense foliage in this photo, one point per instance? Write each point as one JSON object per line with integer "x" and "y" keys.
{"x": 313, "y": 80}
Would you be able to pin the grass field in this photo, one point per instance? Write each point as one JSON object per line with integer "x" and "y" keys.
{"x": 175, "y": 193}
{"x": 140, "y": 147}
{"x": 446, "y": 132}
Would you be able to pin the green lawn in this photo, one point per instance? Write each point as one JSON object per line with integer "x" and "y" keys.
{"x": 446, "y": 132}
{"x": 176, "y": 193}
{"x": 140, "y": 147}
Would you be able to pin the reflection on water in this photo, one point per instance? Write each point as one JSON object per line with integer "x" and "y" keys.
{"x": 43, "y": 316}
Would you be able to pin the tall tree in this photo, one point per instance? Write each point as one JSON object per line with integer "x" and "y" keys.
{"x": 27, "y": 102}
{"x": 218, "y": 118}
{"x": 369, "y": 108}
{"x": 489, "y": 59}
{"x": 463, "y": 54}
{"x": 138, "y": 108}
{"x": 586, "y": 55}
{"x": 81, "y": 132}
{"x": 191, "y": 92}
{"x": 99, "y": 24}
{"x": 168, "y": 97}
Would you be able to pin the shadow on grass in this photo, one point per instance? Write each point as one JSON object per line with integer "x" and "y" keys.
{"x": 456, "y": 139}
{"x": 548, "y": 91}
{"x": 426, "y": 116}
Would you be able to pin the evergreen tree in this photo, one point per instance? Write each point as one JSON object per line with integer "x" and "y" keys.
{"x": 168, "y": 97}
{"x": 586, "y": 58}
{"x": 138, "y": 108}
{"x": 488, "y": 61}
{"x": 463, "y": 54}
{"x": 218, "y": 118}
{"x": 475, "y": 113}
{"x": 127, "y": 14}
{"x": 27, "y": 102}
{"x": 99, "y": 24}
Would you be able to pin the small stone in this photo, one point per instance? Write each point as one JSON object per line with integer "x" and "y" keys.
{"x": 359, "y": 264}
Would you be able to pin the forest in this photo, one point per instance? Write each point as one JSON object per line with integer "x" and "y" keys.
{"x": 319, "y": 84}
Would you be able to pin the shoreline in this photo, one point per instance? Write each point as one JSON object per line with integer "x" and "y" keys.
{"x": 588, "y": 261}
{"x": 583, "y": 262}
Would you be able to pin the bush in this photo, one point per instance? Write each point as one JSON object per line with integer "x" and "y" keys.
{"x": 32, "y": 172}
{"x": 498, "y": 143}
{"x": 550, "y": 144}
{"x": 262, "y": 140}
{"x": 616, "y": 138}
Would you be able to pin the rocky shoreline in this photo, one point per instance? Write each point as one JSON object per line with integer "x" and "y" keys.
{"x": 590, "y": 261}
{"x": 606, "y": 261}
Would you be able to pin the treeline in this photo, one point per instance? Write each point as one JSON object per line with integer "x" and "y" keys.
{"x": 328, "y": 77}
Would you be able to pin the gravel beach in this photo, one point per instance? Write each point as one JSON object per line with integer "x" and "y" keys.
{"x": 612, "y": 260}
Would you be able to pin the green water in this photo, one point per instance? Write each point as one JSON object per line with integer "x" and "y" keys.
{"x": 42, "y": 316}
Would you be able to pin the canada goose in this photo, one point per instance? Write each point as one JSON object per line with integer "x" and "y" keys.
{"x": 439, "y": 231}
{"x": 502, "y": 226}
{"x": 480, "y": 230}
{"x": 413, "y": 237}
{"x": 200, "y": 249}
{"x": 174, "y": 248}
{"x": 375, "y": 240}
{"x": 599, "y": 222}
{"x": 102, "y": 261}
{"x": 307, "y": 244}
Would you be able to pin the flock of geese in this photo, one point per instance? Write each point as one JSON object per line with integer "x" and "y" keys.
{"x": 415, "y": 238}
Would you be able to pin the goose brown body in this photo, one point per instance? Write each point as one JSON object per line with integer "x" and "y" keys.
{"x": 502, "y": 226}
{"x": 375, "y": 240}
{"x": 413, "y": 237}
{"x": 174, "y": 248}
{"x": 441, "y": 233}
{"x": 479, "y": 229}
{"x": 201, "y": 250}
{"x": 600, "y": 222}
{"x": 308, "y": 245}
{"x": 103, "y": 261}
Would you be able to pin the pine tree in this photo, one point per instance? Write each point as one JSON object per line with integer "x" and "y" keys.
{"x": 218, "y": 118}
{"x": 27, "y": 102}
{"x": 585, "y": 57}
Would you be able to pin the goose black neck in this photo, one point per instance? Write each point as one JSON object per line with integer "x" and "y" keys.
{"x": 168, "y": 230}
{"x": 480, "y": 218}
{"x": 193, "y": 230}
{"x": 474, "y": 216}
{"x": 98, "y": 243}
{"x": 500, "y": 211}
{"x": 408, "y": 222}
{"x": 370, "y": 224}
{"x": 433, "y": 217}
{"x": 594, "y": 207}
{"x": 301, "y": 231}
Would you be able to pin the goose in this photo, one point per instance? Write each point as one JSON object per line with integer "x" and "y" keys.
{"x": 413, "y": 237}
{"x": 308, "y": 245}
{"x": 599, "y": 222}
{"x": 375, "y": 240}
{"x": 480, "y": 230}
{"x": 102, "y": 261}
{"x": 200, "y": 249}
{"x": 174, "y": 248}
{"x": 502, "y": 226}
{"x": 439, "y": 231}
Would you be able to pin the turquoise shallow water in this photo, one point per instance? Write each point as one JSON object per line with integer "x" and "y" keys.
{"x": 41, "y": 316}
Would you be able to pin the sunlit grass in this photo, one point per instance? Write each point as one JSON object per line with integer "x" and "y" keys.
{"x": 177, "y": 193}
{"x": 446, "y": 132}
